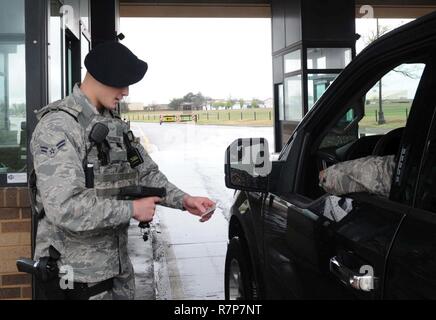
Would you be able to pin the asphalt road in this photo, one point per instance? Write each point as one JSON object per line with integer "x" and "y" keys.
{"x": 188, "y": 256}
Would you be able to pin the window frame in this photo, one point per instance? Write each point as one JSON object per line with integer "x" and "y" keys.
{"x": 422, "y": 166}
{"x": 36, "y": 13}
{"x": 316, "y": 129}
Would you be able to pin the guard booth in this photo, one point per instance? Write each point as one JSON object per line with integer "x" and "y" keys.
{"x": 309, "y": 50}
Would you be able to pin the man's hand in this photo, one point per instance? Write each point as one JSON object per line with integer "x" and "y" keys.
{"x": 321, "y": 177}
{"x": 143, "y": 209}
{"x": 198, "y": 206}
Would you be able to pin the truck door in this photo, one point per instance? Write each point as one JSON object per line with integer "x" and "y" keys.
{"x": 321, "y": 246}
{"x": 411, "y": 268}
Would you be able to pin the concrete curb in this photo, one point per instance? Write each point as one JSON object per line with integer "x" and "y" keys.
{"x": 162, "y": 285}
{"x": 141, "y": 255}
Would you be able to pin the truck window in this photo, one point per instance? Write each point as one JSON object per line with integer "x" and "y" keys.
{"x": 386, "y": 107}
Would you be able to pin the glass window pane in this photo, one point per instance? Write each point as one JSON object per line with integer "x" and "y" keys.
{"x": 3, "y": 121}
{"x": 84, "y": 47}
{"x": 55, "y": 52}
{"x": 328, "y": 58}
{"x": 12, "y": 87}
{"x": 2, "y": 64}
{"x": 69, "y": 66}
{"x": 388, "y": 103}
{"x": 367, "y": 29}
{"x": 293, "y": 98}
{"x": 281, "y": 104}
{"x": 317, "y": 85}
{"x": 398, "y": 90}
{"x": 293, "y": 61}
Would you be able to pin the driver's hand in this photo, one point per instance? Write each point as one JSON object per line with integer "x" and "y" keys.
{"x": 322, "y": 178}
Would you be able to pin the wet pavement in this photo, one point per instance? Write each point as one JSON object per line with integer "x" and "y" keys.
{"x": 184, "y": 259}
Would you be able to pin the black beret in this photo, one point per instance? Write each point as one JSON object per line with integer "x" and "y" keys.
{"x": 114, "y": 65}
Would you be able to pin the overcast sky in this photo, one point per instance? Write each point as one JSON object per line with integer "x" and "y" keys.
{"x": 219, "y": 57}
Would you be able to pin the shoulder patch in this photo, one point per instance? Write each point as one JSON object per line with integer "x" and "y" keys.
{"x": 50, "y": 150}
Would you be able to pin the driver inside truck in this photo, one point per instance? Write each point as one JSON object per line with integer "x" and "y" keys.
{"x": 371, "y": 174}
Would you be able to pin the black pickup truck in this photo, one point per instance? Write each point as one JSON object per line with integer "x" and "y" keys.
{"x": 288, "y": 239}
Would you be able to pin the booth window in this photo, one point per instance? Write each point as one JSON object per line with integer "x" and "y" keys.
{"x": 293, "y": 98}
{"x": 12, "y": 91}
{"x": 293, "y": 61}
{"x": 317, "y": 85}
{"x": 323, "y": 66}
{"x": 55, "y": 52}
{"x": 328, "y": 58}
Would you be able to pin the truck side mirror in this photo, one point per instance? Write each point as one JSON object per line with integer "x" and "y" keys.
{"x": 247, "y": 164}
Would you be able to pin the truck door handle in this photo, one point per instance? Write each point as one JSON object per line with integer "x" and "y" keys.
{"x": 363, "y": 282}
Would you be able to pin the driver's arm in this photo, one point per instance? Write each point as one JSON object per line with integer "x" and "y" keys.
{"x": 369, "y": 174}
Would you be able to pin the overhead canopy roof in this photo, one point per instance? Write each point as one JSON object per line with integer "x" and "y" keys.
{"x": 260, "y": 8}
{"x": 210, "y": 9}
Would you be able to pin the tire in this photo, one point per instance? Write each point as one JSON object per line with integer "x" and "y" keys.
{"x": 239, "y": 283}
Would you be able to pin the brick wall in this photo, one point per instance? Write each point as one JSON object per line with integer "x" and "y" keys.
{"x": 15, "y": 241}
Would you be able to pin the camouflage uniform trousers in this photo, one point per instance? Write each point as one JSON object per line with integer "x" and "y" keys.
{"x": 123, "y": 287}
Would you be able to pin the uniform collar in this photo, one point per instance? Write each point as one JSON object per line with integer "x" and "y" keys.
{"x": 83, "y": 100}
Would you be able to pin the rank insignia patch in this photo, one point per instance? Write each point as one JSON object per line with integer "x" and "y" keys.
{"x": 51, "y": 151}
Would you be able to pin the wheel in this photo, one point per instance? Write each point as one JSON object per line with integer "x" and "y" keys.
{"x": 239, "y": 283}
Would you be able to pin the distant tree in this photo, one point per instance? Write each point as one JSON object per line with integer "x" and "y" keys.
{"x": 374, "y": 35}
{"x": 229, "y": 103}
{"x": 188, "y": 97}
{"x": 241, "y": 103}
{"x": 219, "y": 104}
{"x": 407, "y": 71}
{"x": 255, "y": 103}
{"x": 175, "y": 103}
{"x": 199, "y": 101}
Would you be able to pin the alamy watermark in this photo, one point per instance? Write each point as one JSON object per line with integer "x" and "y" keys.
{"x": 250, "y": 155}
{"x": 367, "y": 11}
{"x": 68, "y": 14}
{"x": 66, "y": 280}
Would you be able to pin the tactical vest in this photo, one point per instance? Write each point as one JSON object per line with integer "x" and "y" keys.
{"x": 117, "y": 172}
{"x": 111, "y": 258}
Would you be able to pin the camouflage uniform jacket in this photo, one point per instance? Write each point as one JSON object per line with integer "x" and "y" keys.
{"x": 87, "y": 225}
{"x": 369, "y": 174}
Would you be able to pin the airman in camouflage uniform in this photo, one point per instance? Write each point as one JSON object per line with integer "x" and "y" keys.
{"x": 88, "y": 226}
{"x": 369, "y": 174}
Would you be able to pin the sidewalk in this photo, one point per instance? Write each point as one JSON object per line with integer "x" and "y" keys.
{"x": 141, "y": 254}
{"x": 185, "y": 258}
{"x": 190, "y": 254}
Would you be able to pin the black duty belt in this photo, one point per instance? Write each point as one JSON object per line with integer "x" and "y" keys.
{"x": 82, "y": 291}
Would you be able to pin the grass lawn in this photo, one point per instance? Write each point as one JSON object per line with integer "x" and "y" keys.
{"x": 395, "y": 116}
{"x": 245, "y": 117}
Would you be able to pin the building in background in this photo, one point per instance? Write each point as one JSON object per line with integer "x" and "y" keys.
{"x": 135, "y": 106}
